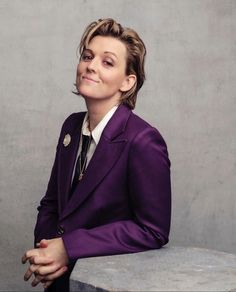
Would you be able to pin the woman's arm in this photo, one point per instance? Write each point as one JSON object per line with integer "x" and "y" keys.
{"x": 48, "y": 212}
{"x": 48, "y": 208}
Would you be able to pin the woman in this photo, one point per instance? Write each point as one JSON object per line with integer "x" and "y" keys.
{"x": 109, "y": 191}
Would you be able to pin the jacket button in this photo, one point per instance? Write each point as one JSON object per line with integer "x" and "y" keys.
{"x": 60, "y": 230}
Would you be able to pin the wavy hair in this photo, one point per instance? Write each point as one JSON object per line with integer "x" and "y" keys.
{"x": 136, "y": 52}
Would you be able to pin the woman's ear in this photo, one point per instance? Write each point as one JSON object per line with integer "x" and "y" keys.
{"x": 128, "y": 83}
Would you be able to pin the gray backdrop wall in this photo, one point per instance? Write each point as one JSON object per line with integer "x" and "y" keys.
{"x": 189, "y": 96}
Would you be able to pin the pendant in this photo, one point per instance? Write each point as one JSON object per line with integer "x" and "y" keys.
{"x": 80, "y": 176}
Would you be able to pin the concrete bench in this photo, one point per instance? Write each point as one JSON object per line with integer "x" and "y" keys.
{"x": 166, "y": 269}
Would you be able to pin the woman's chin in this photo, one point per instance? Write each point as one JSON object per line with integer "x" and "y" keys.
{"x": 87, "y": 94}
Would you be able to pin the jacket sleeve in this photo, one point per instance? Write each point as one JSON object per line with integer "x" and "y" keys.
{"x": 150, "y": 195}
{"x": 47, "y": 211}
{"x": 47, "y": 218}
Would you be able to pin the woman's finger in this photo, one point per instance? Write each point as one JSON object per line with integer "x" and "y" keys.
{"x": 41, "y": 260}
{"x": 32, "y": 269}
{"x": 30, "y": 253}
{"x": 43, "y": 243}
{"x": 36, "y": 280}
{"x": 48, "y": 269}
{"x": 57, "y": 274}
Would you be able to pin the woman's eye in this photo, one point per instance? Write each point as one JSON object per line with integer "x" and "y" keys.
{"x": 108, "y": 63}
{"x": 86, "y": 57}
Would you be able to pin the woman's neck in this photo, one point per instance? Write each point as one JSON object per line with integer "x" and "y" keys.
{"x": 97, "y": 109}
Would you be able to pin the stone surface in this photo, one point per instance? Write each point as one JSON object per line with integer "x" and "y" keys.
{"x": 167, "y": 269}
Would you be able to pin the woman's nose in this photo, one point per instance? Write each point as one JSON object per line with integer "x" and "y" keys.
{"x": 92, "y": 65}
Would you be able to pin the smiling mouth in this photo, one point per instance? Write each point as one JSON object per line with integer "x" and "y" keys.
{"x": 89, "y": 79}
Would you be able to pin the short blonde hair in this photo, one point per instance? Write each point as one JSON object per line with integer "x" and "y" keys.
{"x": 136, "y": 52}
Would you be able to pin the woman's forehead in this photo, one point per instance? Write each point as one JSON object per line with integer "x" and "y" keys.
{"x": 107, "y": 44}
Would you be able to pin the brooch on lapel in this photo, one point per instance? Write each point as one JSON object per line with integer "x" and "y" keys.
{"x": 67, "y": 140}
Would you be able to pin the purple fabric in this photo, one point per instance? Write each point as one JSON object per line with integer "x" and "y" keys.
{"x": 123, "y": 203}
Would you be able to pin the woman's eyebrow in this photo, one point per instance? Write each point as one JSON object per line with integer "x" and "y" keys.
{"x": 107, "y": 52}
{"x": 88, "y": 50}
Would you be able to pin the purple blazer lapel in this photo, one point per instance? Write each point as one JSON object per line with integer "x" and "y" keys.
{"x": 105, "y": 156}
{"x": 67, "y": 159}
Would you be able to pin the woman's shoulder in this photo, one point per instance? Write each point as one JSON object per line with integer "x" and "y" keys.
{"x": 140, "y": 128}
{"x": 73, "y": 120}
{"x": 139, "y": 125}
{"x": 145, "y": 136}
{"x": 139, "y": 122}
{"x": 75, "y": 116}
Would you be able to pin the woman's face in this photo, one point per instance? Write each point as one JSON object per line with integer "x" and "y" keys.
{"x": 101, "y": 70}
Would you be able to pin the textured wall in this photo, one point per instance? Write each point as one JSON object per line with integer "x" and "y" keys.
{"x": 189, "y": 96}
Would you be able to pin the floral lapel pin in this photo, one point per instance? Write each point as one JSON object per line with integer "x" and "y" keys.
{"x": 67, "y": 140}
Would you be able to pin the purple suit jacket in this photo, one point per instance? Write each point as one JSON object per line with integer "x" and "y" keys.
{"x": 122, "y": 204}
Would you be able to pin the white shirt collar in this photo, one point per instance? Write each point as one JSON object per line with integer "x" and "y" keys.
{"x": 97, "y": 131}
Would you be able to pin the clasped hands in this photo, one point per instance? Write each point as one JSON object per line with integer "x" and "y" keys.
{"x": 47, "y": 262}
